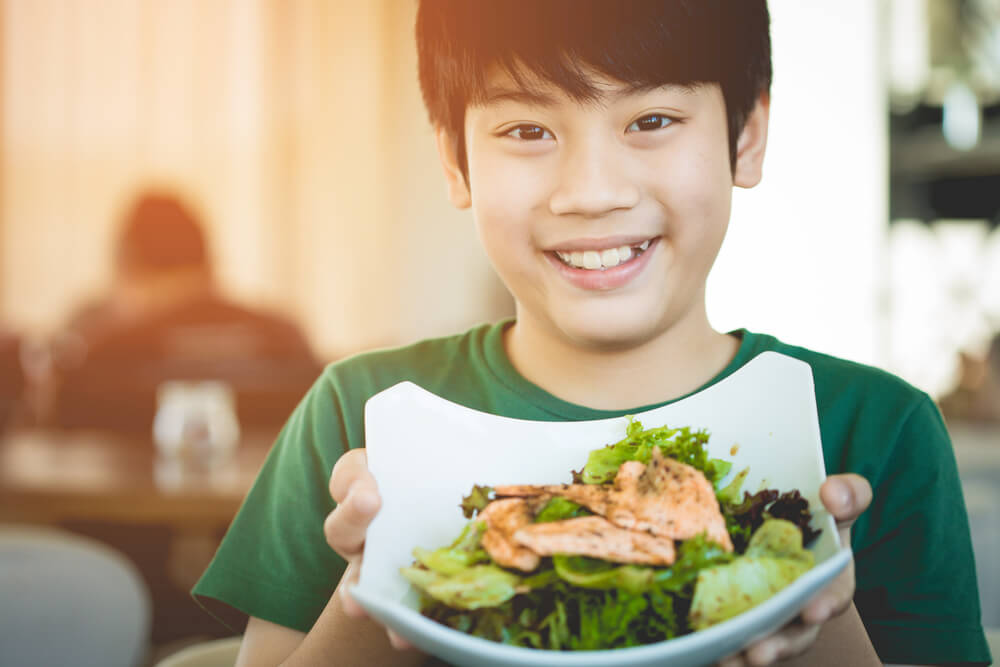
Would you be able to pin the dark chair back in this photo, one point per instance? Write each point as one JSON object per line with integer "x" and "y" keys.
{"x": 263, "y": 358}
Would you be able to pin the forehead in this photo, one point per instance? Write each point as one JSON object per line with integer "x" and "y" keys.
{"x": 592, "y": 88}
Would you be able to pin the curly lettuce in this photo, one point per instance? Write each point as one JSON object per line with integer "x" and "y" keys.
{"x": 682, "y": 444}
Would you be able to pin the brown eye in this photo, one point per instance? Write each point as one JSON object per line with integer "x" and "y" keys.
{"x": 653, "y": 121}
{"x": 529, "y": 133}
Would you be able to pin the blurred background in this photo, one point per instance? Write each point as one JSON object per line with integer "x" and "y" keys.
{"x": 202, "y": 203}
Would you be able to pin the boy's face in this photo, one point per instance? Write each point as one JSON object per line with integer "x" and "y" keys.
{"x": 603, "y": 218}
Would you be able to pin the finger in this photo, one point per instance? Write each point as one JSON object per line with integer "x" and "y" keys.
{"x": 731, "y": 661}
{"x": 348, "y": 468}
{"x": 846, "y": 497}
{"x": 398, "y": 642}
{"x": 345, "y": 527}
{"x": 791, "y": 641}
{"x": 832, "y": 601}
{"x": 347, "y": 601}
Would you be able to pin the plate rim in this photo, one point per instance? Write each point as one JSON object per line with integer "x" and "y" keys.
{"x": 806, "y": 584}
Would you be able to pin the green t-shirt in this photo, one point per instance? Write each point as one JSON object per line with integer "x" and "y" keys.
{"x": 916, "y": 582}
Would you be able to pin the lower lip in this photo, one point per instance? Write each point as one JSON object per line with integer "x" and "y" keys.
{"x": 608, "y": 279}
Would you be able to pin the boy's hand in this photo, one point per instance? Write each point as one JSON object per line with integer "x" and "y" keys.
{"x": 845, "y": 497}
{"x": 356, "y": 494}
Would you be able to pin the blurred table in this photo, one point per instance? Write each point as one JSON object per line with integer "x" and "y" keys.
{"x": 115, "y": 489}
{"x": 51, "y": 476}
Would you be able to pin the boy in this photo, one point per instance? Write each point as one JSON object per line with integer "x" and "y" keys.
{"x": 597, "y": 144}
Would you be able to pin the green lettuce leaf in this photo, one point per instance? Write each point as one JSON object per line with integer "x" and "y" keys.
{"x": 476, "y": 501}
{"x": 693, "y": 556}
{"x": 779, "y": 538}
{"x": 683, "y": 444}
{"x": 730, "y": 493}
{"x": 465, "y": 551}
{"x": 773, "y": 559}
{"x": 559, "y": 508}
{"x": 598, "y": 574}
{"x": 566, "y": 617}
{"x": 603, "y": 624}
{"x": 470, "y": 588}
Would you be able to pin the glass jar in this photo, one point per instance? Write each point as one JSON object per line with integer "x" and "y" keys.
{"x": 195, "y": 424}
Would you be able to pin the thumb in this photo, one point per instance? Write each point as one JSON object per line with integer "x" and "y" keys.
{"x": 846, "y": 497}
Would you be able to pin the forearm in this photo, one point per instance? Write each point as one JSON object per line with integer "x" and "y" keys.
{"x": 339, "y": 639}
{"x": 842, "y": 641}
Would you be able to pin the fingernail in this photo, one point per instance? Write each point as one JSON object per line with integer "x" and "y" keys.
{"x": 818, "y": 613}
{"x": 842, "y": 496}
{"x": 398, "y": 642}
{"x": 765, "y": 653}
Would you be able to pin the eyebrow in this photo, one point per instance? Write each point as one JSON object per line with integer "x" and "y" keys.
{"x": 537, "y": 98}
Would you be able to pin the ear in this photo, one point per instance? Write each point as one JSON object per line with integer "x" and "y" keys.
{"x": 751, "y": 144}
{"x": 458, "y": 189}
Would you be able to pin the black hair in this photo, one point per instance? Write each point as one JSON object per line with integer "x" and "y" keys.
{"x": 161, "y": 233}
{"x": 642, "y": 43}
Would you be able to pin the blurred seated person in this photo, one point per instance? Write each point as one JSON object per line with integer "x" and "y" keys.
{"x": 164, "y": 319}
{"x": 977, "y": 396}
{"x": 12, "y": 384}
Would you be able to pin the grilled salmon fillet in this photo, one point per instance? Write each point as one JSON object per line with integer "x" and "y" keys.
{"x": 503, "y": 518}
{"x": 665, "y": 498}
{"x": 596, "y": 537}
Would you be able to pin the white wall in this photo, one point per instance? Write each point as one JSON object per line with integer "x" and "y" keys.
{"x": 444, "y": 280}
{"x": 802, "y": 259}
{"x": 296, "y": 128}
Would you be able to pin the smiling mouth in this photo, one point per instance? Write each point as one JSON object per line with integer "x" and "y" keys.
{"x": 601, "y": 260}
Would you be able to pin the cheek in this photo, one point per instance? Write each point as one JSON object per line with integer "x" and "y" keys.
{"x": 697, "y": 195}
{"x": 497, "y": 209}
{"x": 506, "y": 195}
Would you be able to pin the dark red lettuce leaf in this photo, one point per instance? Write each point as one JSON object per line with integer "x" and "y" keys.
{"x": 744, "y": 518}
{"x": 791, "y": 506}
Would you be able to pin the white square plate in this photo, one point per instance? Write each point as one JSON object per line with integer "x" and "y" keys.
{"x": 426, "y": 453}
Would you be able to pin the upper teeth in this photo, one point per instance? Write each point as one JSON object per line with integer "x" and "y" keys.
{"x": 599, "y": 259}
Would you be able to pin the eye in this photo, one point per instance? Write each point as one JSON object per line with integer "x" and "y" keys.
{"x": 653, "y": 121}
{"x": 527, "y": 132}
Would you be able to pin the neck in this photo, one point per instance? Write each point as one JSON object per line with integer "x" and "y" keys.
{"x": 148, "y": 295}
{"x": 674, "y": 363}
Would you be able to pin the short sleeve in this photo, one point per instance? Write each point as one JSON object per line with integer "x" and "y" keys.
{"x": 916, "y": 578}
{"x": 274, "y": 562}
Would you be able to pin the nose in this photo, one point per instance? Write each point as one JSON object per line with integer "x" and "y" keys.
{"x": 593, "y": 181}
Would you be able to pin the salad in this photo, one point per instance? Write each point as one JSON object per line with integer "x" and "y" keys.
{"x": 644, "y": 545}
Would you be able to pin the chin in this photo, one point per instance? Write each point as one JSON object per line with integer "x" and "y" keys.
{"x": 611, "y": 333}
